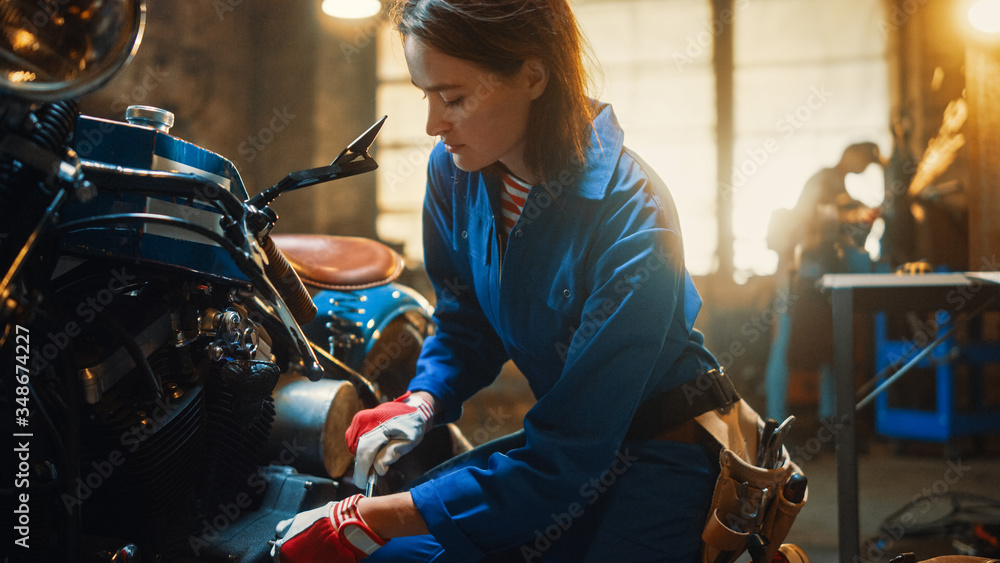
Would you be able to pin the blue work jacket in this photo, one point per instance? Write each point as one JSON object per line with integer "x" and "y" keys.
{"x": 588, "y": 296}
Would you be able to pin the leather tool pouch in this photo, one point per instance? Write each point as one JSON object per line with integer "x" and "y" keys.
{"x": 748, "y": 506}
{"x": 749, "y": 510}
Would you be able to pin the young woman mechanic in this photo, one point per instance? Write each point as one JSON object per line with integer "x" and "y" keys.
{"x": 580, "y": 282}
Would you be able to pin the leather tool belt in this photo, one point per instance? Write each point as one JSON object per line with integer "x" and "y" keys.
{"x": 749, "y": 510}
{"x": 667, "y": 411}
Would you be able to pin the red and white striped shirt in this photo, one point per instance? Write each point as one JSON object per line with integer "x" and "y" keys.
{"x": 515, "y": 192}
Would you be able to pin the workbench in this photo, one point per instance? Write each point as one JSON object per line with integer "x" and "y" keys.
{"x": 851, "y": 294}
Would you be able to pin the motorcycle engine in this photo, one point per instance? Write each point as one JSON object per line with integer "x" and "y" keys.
{"x": 176, "y": 408}
{"x": 153, "y": 361}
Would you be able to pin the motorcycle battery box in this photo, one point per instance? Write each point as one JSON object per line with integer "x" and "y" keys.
{"x": 139, "y": 147}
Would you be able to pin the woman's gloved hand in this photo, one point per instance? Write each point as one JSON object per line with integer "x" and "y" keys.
{"x": 334, "y": 532}
{"x": 381, "y": 435}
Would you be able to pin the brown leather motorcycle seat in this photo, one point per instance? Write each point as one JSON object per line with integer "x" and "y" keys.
{"x": 340, "y": 262}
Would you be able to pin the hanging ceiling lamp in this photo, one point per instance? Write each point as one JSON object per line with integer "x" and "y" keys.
{"x": 984, "y": 15}
{"x": 351, "y": 9}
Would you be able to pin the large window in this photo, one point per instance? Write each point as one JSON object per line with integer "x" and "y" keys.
{"x": 655, "y": 69}
{"x": 656, "y": 58}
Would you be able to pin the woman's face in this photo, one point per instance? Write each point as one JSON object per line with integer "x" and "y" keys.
{"x": 481, "y": 116}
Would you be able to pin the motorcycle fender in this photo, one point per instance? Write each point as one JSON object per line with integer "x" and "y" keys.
{"x": 349, "y": 323}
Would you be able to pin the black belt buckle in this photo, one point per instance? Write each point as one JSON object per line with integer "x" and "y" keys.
{"x": 723, "y": 389}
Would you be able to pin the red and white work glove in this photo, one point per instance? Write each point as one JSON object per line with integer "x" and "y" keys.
{"x": 334, "y": 532}
{"x": 381, "y": 435}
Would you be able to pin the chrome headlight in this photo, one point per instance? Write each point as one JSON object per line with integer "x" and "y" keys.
{"x": 58, "y": 49}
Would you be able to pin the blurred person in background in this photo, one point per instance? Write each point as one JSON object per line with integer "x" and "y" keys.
{"x": 824, "y": 233}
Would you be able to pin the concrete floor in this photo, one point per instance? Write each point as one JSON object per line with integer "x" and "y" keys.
{"x": 913, "y": 477}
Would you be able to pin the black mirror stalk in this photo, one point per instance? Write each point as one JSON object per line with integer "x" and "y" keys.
{"x": 353, "y": 160}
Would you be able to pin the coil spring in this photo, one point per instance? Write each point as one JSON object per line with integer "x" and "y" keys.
{"x": 288, "y": 283}
{"x": 55, "y": 122}
{"x": 48, "y": 126}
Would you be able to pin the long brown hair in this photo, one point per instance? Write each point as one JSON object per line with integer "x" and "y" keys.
{"x": 499, "y": 35}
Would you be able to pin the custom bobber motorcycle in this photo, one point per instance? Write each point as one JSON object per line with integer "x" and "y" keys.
{"x": 171, "y": 387}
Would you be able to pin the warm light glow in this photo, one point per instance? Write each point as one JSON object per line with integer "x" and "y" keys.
{"x": 984, "y": 15}
{"x": 23, "y": 40}
{"x": 351, "y": 9}
{"x": 21, "y": 76}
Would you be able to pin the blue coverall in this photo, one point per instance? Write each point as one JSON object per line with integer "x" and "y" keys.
{"x": 590, "y": 299}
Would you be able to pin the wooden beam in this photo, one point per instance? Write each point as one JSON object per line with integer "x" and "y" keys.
{"x": 722, "y": 65}
{"x": 983, "y": 138}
